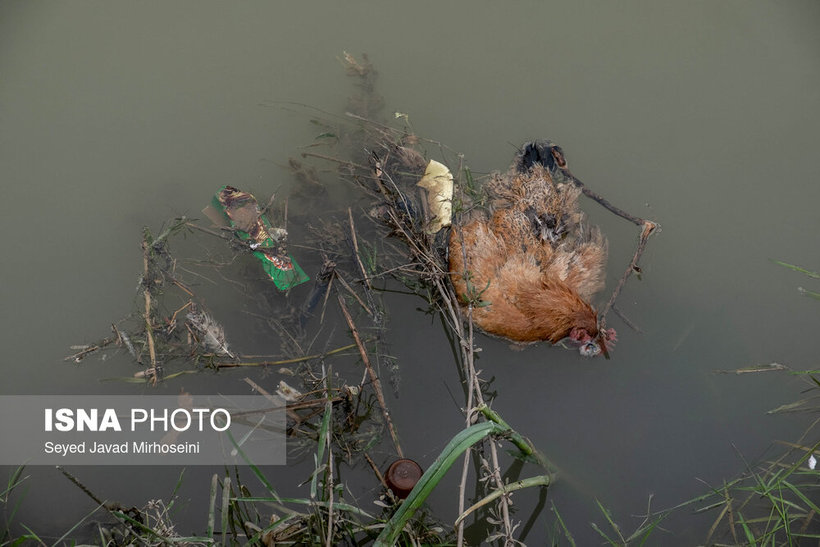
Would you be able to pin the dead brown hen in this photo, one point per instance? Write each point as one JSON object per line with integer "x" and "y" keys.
{"x": 531, "y": 265}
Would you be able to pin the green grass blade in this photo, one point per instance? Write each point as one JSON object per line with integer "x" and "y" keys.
{"x": 611, "y": 522}
{"x": 540, "y": 480}
{"x": 648, "y": 531}
{"x": 32, "y": 536}
{"x": 256, "y": 539}
{"x": 750, "y": 537}
{"x": 14, "y": 482}
{"x": 256, "y": 471}
{"x": 461, "y": 442}
{"x": 797, "y": 492}
{"x": 790, "y": 407}
{"x": 226, "y": 508}
{"x": 77, "y": 525}
{"x": 567, "y": 533}
{"x": 177, "y": 486}
{"x": 813, "y": 275}
{"x": 212, "y": 506}
{"x": 812, "y": 294}
{"x": 603, "y": 535}
{"x": 523, "y": 444}
{"x": 801, "y": 461}
{"x": 320, "y": 451}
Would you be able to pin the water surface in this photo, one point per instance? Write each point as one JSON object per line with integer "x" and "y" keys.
{"x": 701, "y": 116}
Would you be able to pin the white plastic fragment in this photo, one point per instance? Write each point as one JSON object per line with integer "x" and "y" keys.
{"x": 438, "y": 181}
{"x": 287, "y": 392}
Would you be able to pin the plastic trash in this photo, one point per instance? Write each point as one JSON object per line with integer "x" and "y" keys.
{"x": 241, "y": 210}
{"x": 438, "y": 181}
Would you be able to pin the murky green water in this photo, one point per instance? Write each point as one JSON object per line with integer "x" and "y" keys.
{"x": 701, "y": 116}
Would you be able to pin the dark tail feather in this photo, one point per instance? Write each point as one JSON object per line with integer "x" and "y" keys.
{"x": 544, "y": 153}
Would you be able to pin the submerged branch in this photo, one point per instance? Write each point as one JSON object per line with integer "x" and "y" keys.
{"x": 377, "y": 386}
{"x": 649, "y": 228}
{"x": 287, "y": 361}
{"x": 149, "y": 332}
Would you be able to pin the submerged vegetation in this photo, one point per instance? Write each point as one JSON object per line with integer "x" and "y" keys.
{"x": 174, "y": 332}
{"x": 385, "y": 243}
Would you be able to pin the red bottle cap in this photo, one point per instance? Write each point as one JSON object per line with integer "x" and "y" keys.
{"x": 402, "y": 476}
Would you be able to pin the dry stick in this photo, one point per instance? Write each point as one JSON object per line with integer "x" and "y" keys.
{"x": 467, "y": 352}
{"x": 496, "y": 471}
{"x": 626, "y": 320}
{"x": 648, "y": 229}
{"x": 409, "y": 267}
{"x": 648, "y": 226}
{"x": 377, "y": 472}
{"x": 388, "y": 131}
{"x": 329, "y": 486}
{"x": 368, "y": 287}
{"x": 377, "y": 386}
{"x": 148, "y": 330}
{"x": 259, "y": 389}
{"x": 356, "y": 249}
{"x": 267, "y": 206}
{"x": 474, "y": 387}
{"x": 182, "y": 286}
{"x": 462, "y": 487}
{"x": 473, "y": 391}
{"x": 186, "y": 305}
{"x": 291, "y": 408}
{"x": 332, "y": 159}
{"x": 220, "y": 234}
{"x": 352, "y": 292}
{"x": 316, "y": 402}
{"x": 287, "y": 361}
{"x": 606, "y": 204}
{"x": 505, "y": 499}
{"x": 471, "y": 375}
{"x": 77, "y": 357}
{"x": 327, "y": 295}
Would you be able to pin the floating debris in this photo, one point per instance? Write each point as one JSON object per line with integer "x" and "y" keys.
{"x": 531, "y": 267}
{"x": 127, "y": 341}
{"x": 211, "y": 333}
{"x": 756, "y": 368}
{"x": 438, "y": 181}
{"x": 288, "y": 393}
{"x": 402, "y": 476}
{"x": 241, "y": 211}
